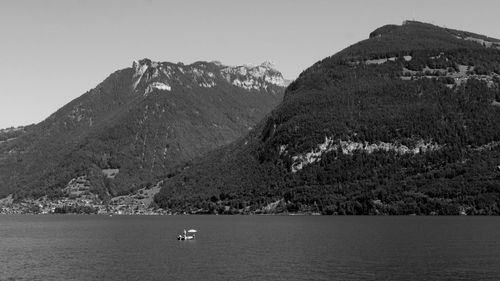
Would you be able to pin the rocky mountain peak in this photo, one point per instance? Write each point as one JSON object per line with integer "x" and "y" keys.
{"x": 143, "y": 63}
{"x": 269, "y": 65}
{"x": 254, "y": 77}
{"x": 149, "y": 75}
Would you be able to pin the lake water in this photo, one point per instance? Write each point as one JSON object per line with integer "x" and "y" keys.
{"x": 71, "y": 247}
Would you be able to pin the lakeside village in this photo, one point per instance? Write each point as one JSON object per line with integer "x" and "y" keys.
{"x": 79, "y": 200}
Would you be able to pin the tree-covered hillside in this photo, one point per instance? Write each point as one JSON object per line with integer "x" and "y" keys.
{"x": 405, "y": 122}
{"x": 137, "y": 125}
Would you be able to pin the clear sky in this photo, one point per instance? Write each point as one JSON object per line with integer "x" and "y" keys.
{"x": 52, "y": 51}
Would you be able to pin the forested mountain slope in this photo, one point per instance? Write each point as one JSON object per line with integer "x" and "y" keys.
{"x": 136, "y": 126}
{"x": 405, "y": 122}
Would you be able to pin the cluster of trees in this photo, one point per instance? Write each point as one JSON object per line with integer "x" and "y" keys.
{"x": 13, "y": 132}
{"x": 66, "y": 209}
{"x": 398, "y": 40}
{"x": 445, "y": 182}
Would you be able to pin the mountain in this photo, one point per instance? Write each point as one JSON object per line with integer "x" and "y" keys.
{"x": 404, "y": 122}
{"x": 137, "y": 125}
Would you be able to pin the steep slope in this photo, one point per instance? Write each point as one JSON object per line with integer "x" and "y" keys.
{"x": 136, "y": 125}
{"x": 405, "y": 122}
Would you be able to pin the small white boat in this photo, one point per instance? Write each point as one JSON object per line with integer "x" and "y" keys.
{"x": 187, "y": 235}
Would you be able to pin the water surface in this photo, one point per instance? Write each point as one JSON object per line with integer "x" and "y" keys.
{"x": 72, "y": 247}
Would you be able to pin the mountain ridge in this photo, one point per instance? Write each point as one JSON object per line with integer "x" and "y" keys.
{"x": 404, "y": 122}
{"x": 143, "y": 120}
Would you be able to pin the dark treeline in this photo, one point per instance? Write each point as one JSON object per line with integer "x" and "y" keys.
{"x": 75, "y": 210}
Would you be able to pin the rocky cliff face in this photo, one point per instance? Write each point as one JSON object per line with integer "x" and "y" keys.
{"x": 150, "y": 75}
{"x": 140, "y": 122}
